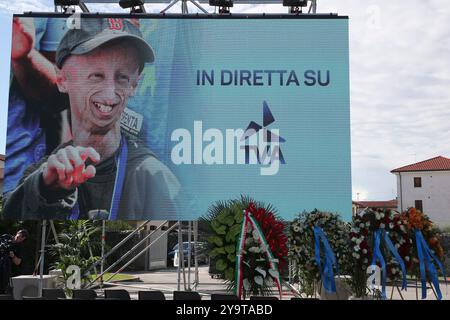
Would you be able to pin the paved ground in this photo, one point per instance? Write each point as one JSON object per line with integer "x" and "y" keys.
{"x": 166, "y": 281}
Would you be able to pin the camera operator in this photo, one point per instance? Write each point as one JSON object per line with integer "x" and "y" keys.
{"x": 10, "y": 254}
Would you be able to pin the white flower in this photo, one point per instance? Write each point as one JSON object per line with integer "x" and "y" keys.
{"x": 296, "y": 229}
{"x": 382, "y": 215}
{"x": 246, "y": 284}
{"x": 361, "y": 225}
{"x": 368, "y": 224}
{"x": 358, "y": 241}
{"x": 254, "y": 249}
{"x": 391, "y": 225}
{"x": 354, "y": 239}
{"x": 366, "y": 260}
{"x": 259, "y": 280}
{"x": 356, "y": 248}
{"x": 397, "y": 246}
{"x": 261, "y": 271}
{"x": 382, "y": 225}
{"x": 407, "y": 258}
{"x": 364, "y": 251}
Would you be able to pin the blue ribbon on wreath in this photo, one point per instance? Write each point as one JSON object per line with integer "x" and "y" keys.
{"x": 378, "y": 256}
{"x": 426, "y": 257}
{"x": 327, "y": 274}
{"x": 397, "y": 257}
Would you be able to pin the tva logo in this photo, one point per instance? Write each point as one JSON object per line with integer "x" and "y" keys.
{"x": 267, "y": 135}
{"x": 256, "y": 145}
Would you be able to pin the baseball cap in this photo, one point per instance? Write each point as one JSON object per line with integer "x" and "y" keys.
{"x": 92, "y": 33}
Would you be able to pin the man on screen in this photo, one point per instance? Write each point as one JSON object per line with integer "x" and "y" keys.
{"x": 34, "y": 106}
{"x": 102, "y": 170}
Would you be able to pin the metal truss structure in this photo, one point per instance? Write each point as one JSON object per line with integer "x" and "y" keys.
{"x": 138, "y": 6}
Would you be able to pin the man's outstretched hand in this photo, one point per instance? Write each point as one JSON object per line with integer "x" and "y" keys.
{"x": 23, "y": 38}
{"x": 67, "y": 168}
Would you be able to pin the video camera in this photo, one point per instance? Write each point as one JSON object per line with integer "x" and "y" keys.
{"x": 5, "y": 245}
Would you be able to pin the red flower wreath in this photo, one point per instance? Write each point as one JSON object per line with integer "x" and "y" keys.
{"x": 273, "y": 230}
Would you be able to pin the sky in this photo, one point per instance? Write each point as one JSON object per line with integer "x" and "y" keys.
{"x": 399, "y": 80}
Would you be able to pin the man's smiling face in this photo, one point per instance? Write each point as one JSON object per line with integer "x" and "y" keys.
{"x": 99, "y": 84}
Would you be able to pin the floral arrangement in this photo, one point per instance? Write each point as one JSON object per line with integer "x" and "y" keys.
{"x": 301, "y": 240}
{"x": 417, "y": 220}
{"x": 362, "y": 240}
{"x": 225, "y": 220}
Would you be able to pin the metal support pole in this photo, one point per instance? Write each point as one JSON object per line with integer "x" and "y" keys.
{"x": 55, "y": 234}
{"x": 141, "y": 253}
{"x": 400, "y": 293}
{"x": 189, "y": 254}
{"x": 167, "y": 8}
{"x": 117, "y": 246}
{"x": 313, "y": 7}
{"x": 41, "y": 266}
{"x": 147, "y": 257}
{"x": 417, "y": 288}
{"x": 180, "y": 245}
{"x": 181, "y": 259}
{"x": 83, "y": 7}
{"x": 199, "y": 7}
{"x": 289, "y": 265}
{"x": 126, "y": 254}
{"x": 102, "y": 264}
{"x": 184, "y": 6}
{"x": 91, "y": 254}
{"x": 196, "y": 253}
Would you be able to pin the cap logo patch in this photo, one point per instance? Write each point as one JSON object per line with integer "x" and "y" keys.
{"x": 115, "y": 23}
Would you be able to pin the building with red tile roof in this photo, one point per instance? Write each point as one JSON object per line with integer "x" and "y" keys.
{"x": 425, "y": 185}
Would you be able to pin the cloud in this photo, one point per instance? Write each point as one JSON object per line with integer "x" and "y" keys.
{"x": 400, "y": 102}
{"x": 21, "y": 6}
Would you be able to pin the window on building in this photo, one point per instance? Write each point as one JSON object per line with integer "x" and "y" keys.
{"x": 417, "y": 182}
{"x": 418, "y": 205}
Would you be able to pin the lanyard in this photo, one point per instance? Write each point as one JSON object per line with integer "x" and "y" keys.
{"x": 121, "y": 159}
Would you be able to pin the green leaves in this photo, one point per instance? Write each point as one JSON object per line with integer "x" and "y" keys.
{"x": 217, "y": 251}
{"x": 238, "y": 217}
{"x": 76, "y": 243}
{"x": 221, "y": 265}
{"x": 229, "y": 274}
{"x": 231, "y": 257}
{"x": 218, "y": 227}
{"x": 231, "y": 248}
{"x": 225, "y": 220}
{"x": 215, "y": 240}
{"x": 233, "y": 233}
{"x": 226, "y": 217}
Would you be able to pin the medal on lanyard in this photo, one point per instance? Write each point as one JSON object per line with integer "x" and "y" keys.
{"x": 121, "y": 159}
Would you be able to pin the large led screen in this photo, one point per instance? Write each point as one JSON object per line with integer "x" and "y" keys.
{"x": 113, "y": 117}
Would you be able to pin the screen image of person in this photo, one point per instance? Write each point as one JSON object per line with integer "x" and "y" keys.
{"x": 103, "y": 172}
{"x": 34, "y": 100}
